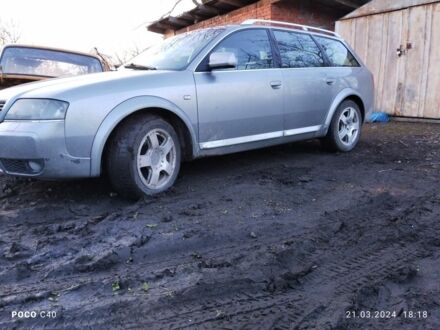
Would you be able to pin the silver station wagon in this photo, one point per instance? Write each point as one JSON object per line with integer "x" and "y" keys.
{"x": 208, "y": 92}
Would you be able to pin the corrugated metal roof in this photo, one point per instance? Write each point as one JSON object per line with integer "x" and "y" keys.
{"x": 384, "y": 6}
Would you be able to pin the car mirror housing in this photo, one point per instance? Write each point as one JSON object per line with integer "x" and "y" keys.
{"x": 222, "y": 60}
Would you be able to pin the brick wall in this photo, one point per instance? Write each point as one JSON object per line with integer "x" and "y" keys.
{"x": 307, "y": 13}
{"x": 299, "y": 11}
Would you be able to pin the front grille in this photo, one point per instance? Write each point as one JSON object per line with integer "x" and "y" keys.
{"x": 20, "y": 166}
{"x": 2, "y": 104}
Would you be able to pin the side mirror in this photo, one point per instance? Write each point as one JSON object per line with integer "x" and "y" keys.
{"x": 222, "y": 60}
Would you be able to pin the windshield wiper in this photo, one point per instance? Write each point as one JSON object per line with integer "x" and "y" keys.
{"x": 139, "y": 67}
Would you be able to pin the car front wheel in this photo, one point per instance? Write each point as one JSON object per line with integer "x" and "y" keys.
{"x": 144, "y": 156}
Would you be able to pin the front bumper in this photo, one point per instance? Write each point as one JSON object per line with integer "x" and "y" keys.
{"x": 38, "y": 149}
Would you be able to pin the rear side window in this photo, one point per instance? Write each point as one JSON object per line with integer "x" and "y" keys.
{"x": 251, "y": 48}
{"x": 337, "y": 53}
{"x": 298, "y": 50}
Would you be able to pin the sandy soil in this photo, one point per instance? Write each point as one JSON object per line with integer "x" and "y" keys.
{"x": 290, "y": 237}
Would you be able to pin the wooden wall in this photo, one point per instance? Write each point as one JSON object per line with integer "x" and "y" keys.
{"x": 406, "y": 85}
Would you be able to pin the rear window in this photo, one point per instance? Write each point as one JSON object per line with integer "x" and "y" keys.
{"x": 47, "y": 63}
{"x": 337, "y": 53}
{"x": 298, "y": 50}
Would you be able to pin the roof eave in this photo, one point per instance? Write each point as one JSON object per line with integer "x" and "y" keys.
{"x": 200, "y": 13}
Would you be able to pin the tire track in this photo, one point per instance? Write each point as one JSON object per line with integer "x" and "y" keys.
{"x": 241, "y": 309}
{"x": 244, "y": 309}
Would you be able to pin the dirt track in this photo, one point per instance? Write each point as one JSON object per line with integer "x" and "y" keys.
{"x": 282, "y": 238}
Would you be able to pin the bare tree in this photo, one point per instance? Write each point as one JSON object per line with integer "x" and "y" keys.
{"x": 126, "y": 55}
{"x": 169, "y": 12}
{"x": 9, "y": 33}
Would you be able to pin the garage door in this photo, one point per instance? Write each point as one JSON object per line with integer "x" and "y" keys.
{"x": 402, "y": 49}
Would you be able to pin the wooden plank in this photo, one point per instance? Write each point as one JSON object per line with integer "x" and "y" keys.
{"x": 361, "y": 33}
{"x": 383, "y": 64}
{"x": 401, "y": 65}
{"x": 344, "y": 29}
{"x": 391, "y": 88}
{"x": 425, "y": 66}
{"x": 432, "y": 100}
{"x": 375, "y": 51}
{"x": 415, "y": 56}
{"x": 353, "y": 32}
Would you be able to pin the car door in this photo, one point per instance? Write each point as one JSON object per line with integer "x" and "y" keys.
{"x": 242, "y": 104}
{"x": 307, "y": 90}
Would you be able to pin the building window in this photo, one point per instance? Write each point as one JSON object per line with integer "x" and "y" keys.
{"x": 251, "y": 48}
{"x": 298, "y": 50}
{"x": 337, "y": 53}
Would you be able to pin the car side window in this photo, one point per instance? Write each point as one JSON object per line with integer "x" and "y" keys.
{"x": 251, "y": 48}
{"x": 337, "y": 53}
{"x": 298, "y": 50}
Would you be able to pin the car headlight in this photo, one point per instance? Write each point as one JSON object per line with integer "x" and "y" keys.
{"x": 37, "y": 109}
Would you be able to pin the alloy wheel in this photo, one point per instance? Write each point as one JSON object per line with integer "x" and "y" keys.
{"x": 156, "y": 159}
{"x": 348, "y": 126}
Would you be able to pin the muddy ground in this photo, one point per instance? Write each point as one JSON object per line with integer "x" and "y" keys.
{"x": 290, "y": 237}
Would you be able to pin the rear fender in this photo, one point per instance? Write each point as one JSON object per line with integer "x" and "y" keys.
{"x": 344, "y": 94}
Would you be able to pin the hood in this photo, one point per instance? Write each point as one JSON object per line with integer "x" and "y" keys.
{"x": 64, "y": 88}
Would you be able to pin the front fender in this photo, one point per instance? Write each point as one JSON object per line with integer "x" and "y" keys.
{"x": 345, "y": 93}
{"x": 120, "y": 112}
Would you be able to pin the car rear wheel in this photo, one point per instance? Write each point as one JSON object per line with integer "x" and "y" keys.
{"x": 345, "y": 129}
{"x": 143, "y": 157}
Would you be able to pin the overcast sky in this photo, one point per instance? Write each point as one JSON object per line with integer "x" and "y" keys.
{"x": 110, "y": 25}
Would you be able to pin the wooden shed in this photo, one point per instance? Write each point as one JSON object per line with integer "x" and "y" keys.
{"x": 399, "y": 40}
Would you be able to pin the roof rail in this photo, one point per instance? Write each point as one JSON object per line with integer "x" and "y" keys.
{"x": 298, "y": 26}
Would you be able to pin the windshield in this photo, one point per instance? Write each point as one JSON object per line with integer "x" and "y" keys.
{"x": 48, "y": 63}
{"x": 177, "y": 52}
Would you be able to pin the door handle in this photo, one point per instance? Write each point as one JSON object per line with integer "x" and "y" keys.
{"x": 330, "y": 81}
{"x": 275, "y": 84}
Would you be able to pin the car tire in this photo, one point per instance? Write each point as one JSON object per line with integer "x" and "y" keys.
{"x": 345, "y": 128}
{"x": 143, "y": 157}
